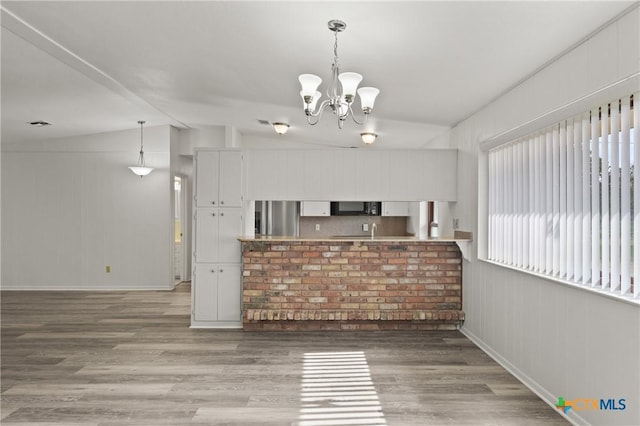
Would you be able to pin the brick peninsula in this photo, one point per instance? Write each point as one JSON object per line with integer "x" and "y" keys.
{"x": 342, "y": 283}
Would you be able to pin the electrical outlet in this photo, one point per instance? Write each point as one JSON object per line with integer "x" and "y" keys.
{"x": 317, "y": 226}
{"x": 107, "y": 269}
{"x": 365, "y": 227}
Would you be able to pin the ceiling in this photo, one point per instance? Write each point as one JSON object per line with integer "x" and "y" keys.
{"x": 99, "y": 66}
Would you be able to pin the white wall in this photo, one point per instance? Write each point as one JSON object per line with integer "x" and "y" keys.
{"x": 558, "y": 339}
{"x": 71, "y": 207}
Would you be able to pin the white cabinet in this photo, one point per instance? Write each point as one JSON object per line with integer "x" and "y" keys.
{"x": 218, "y": 222}
{"x": 318, "y": 169}
{"x": 218, "y": 178}
{"x": 230, "y": 179}
{"x": 395, "y": 172}
{"x": 217, "y": 293}
{"x": 343, "y": 182}
{"x": 395, "y": 208}
{"x": 370, "y": 180}
{"x": 352, "y": 175}
{"x": 217, "y": 232}
{"x": 315, "y": 208}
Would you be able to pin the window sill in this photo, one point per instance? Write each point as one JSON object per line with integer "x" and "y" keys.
{"x": 594, "y": 290}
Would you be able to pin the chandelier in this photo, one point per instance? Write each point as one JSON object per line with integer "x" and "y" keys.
{"x": 141, "y": 169}
{"x": 340, "y": 97}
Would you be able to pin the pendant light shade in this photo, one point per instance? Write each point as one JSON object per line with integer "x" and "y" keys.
{"x": 141, "y": 169}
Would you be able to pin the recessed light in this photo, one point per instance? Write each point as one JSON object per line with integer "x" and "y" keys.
{"x": 39, "y": 123}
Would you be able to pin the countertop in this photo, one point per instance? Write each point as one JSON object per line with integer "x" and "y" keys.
{"x": 353, "y": 238}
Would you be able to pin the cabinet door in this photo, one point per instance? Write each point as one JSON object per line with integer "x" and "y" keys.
{"x": 230, "y": 190}
{"x": 264, "y": 174}
{"x": 206, "y": 235}
{"x": 344, "y": 175}
{"x": 395, "y": 208}
{"x": 229, "y": 229}
{"x": 207, "y": 178}
{"x": 318, "y": 169}
{"x": 205, "y": 292}
{"x": 229, "y": 293}
{"x": 315, "y": 208}
{"x": 395, "y": 176}
{"x": 369, "y": 177}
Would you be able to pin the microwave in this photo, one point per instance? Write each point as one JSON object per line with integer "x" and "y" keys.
{"x": 356, "y": 208}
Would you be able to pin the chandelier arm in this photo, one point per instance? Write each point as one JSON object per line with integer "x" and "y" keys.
{"x": 319, "y": 109}
{"x": 353, "y": 116}
{"x": 313, "y": 123}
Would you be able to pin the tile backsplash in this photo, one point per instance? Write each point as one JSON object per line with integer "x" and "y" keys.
{"x": 387, "y": 226}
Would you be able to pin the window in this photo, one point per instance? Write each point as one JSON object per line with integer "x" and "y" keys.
{"x": 561, "y": 200}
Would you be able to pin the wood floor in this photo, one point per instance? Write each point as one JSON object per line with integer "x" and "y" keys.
{"x": 129, "y": 358}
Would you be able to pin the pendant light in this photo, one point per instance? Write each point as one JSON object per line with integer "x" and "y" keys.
{"x": 141, "y": 169}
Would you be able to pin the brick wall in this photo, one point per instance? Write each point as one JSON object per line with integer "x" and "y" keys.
{"x": 351, "y": 285}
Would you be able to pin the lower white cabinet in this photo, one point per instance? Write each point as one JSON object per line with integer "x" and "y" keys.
{"x": 216, "y": 285}
{"x": 217, "y": 295}
{"x": 315, "y": 208}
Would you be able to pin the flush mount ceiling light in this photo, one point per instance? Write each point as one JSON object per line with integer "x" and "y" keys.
{"x": 280, "y": 128}
{"x": 341, "y": 92}
{"x": 368, "y": 137}
{"x": 141, "y": 170}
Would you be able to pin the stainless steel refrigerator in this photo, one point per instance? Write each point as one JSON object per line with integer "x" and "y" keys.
{"x": 279, "y": 218}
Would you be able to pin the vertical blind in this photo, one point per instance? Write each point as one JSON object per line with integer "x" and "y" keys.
{"x": 562, "y": 201}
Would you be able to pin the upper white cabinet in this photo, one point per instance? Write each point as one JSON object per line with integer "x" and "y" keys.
{"x": 230, "y": 185}
{"x": 315, "y": 208}
{"x": 219, "y": 178}
{"x": 395, "y": 208}
{"x": 396, "y": 176}
{"x": 207, "y": 181}
{"x": 370, "y": 179}
{"x": 318, "y": 169}
{"x": 352, "y": 175}
{"x": 343, "y": 178}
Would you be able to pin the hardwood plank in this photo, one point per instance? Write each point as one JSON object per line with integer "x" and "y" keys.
{"x": 130, "y": 358}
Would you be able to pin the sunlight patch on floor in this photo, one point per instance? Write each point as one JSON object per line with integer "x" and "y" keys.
{"x": 337, "y": 390}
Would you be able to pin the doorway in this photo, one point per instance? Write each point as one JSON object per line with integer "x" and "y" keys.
{"x": 179, "y": 214}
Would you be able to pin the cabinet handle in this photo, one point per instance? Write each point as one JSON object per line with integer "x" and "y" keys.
{"x": 221, "y": 270}
{"x": 213, "y": 271}
{"x": 221, "y": 202}
{"x": 221, "y": 214}
{"x": 213, "y": 202}
{"x": 213, "y": 214}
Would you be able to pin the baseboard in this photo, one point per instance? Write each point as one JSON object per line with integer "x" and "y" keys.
{"x": 534, "y": 386}
{"x": 133, "y": 287}
{"x": 214, "y": 325}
